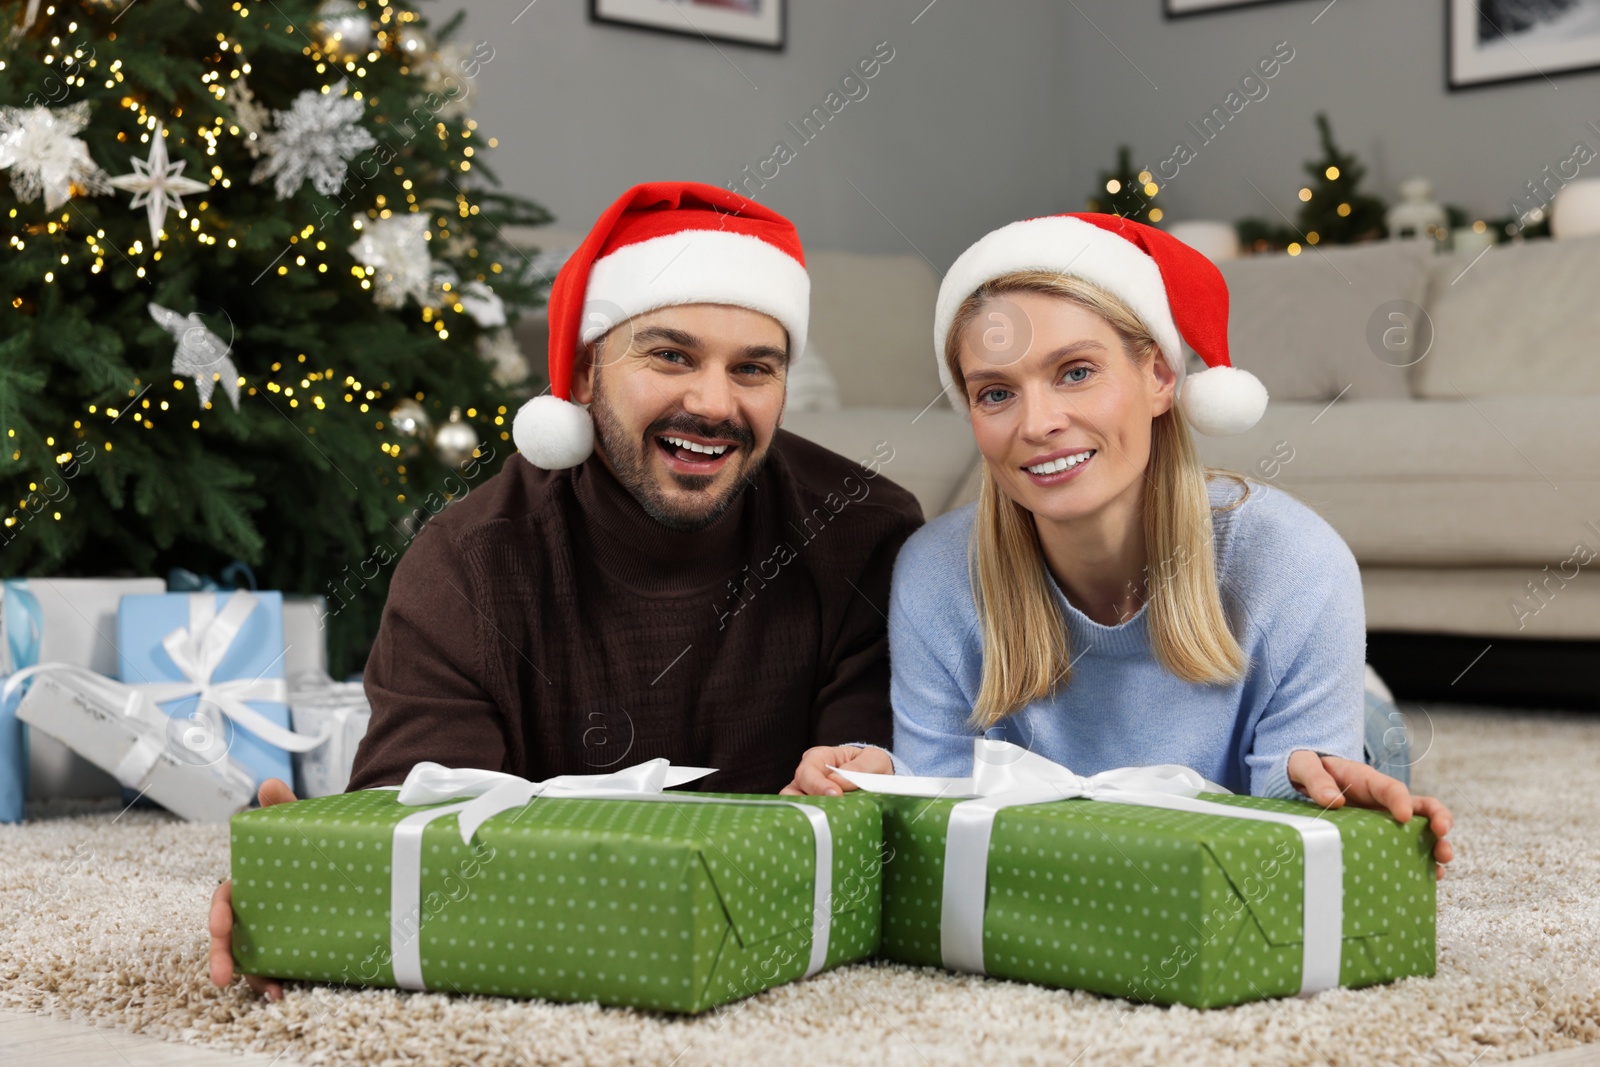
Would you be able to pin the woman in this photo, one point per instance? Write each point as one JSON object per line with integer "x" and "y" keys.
{"x": 1108, "y": 601}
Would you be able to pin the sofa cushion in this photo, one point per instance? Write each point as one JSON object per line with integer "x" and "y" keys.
{"x": 873, "y": 316}
{"x": 1517, "y": 318}
{"x": 927, "y": 453}
{"x": 1459, "y": 482}
{"x": 1300, "y": 323}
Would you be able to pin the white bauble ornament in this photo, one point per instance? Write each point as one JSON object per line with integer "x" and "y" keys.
{"x": 456, "y": 440}
{"x": 410, "y": 420}
{"x": 343, "y": 28}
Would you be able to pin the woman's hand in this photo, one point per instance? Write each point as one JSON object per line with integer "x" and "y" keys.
{"x": 812, "y": 777}
{"x": 272, "y": 792}
{"x": 1331, "y": 780}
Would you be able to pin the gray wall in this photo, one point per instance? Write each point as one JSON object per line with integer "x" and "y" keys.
{"x": 994, "y": 111}
{"x": 1377, "y": 68}
{"x": 584, "y": 110}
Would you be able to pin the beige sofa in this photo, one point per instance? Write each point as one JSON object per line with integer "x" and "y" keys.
{"x": 1466, "y": 483}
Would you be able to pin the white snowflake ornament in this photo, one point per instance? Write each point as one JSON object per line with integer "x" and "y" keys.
{"x": 397, "y": 247}
{"x": 200, "y": 353}
{"x": 443, "y": 73}
{"x": 500, "y": 350}
{"x": 38, "y": 145}
{"x": 314, "y": 141}
{"x": 480, "y": 302}
{"x": 253, "y": 119}
{"x": 158, "y": 184}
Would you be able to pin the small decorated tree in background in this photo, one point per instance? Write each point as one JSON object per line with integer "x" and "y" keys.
{"x": 249, "y": 260}
{"x": 1333, "y": 207}
{"x": 1126, "y": 192}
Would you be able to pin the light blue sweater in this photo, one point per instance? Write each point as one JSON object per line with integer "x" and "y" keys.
{"x": 1291, "y": 590}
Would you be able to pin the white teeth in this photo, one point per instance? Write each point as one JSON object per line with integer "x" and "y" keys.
{"x": 711, "y": 450}
{"x": 1061, "y": 463}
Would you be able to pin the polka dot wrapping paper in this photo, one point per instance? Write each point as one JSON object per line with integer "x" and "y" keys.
{"x": 1159, "y": 906}
{"x": 668, "y": 906}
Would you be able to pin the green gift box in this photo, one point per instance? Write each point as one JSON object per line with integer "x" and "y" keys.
{"x": 671, "y": 901}
{"x": 1161, "y": 898}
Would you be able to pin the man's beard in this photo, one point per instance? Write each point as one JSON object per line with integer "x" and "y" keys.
{"x": 632, "y": 465}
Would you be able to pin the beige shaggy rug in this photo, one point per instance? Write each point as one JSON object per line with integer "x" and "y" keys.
{"x": 104, "y": 920}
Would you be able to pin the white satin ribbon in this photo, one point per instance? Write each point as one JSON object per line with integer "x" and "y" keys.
{"x": 1006, "y": 775}
{"x": 484, "y": 794}
{"x": 198, "y": 649}
{"x": 148, "y": 722}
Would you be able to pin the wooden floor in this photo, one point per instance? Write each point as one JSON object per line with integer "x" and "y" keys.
{"x": 38, "y": 1041}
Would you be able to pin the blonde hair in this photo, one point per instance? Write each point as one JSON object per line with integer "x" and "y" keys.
{"x": 1025, "y": 642}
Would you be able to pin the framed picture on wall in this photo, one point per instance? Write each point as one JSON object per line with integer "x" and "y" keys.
{"x": 1492, "y": 41}
{"x": 752, "y": 22}
{"x": 1175, "y": 8}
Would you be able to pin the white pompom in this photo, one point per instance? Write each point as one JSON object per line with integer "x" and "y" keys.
{"x": 1220, "y": 401}
{"x": 553, "y": 433}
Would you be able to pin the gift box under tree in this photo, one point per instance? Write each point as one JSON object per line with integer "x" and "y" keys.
{"x": 587, "y": 887}
{"x": 1144, "y": 884}
{"x": 216, "y": 659}
{"x": 54, "y": 620}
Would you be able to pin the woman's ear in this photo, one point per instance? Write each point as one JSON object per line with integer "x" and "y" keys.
{"x": 1163, "y": 381}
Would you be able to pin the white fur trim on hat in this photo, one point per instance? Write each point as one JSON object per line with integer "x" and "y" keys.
{"x": 698, "y": 267}
{"x": 553, "y": 433}
{"x": 1068, "y": 246}
{"x": 1221, "y": 401}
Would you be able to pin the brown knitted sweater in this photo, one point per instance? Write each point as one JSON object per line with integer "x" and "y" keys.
{"x": 544, "y": 624}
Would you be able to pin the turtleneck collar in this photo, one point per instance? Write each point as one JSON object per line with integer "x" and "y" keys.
{"x": 642, "y": 554}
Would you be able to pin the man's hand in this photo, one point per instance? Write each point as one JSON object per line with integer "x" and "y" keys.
{"x": 272, "y": 792}
{"x": 1332, "y": 780}
{"x": 812, "y": 777}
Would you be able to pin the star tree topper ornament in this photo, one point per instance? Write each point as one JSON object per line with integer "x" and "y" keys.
{"x": 314, "y": 141}
{"x": 200, "y": 353}
{"x": 38, "y": 146}
{"x": 158, "y": 184}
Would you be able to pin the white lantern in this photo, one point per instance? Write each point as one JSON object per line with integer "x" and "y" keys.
{"x": 1217, "y": 241}
{"x": 1576, "y": 211}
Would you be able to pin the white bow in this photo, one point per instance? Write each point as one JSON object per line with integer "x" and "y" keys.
{"x": 496, "y": 791}
{"x": 1006, "y": 775}
{"x": 1000, "y": 768}
{"x": 197, "y": 650}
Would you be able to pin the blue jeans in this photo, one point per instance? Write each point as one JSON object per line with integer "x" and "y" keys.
{"x": 1388, "y": 741}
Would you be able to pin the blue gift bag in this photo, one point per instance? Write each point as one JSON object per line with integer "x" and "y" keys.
{"x": 224, "y": 649}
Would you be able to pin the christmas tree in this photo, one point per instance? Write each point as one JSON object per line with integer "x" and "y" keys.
{"x": 251, "y": 253}
{"x": 1334, "y": 210}
{"x": 1126, "y": 193}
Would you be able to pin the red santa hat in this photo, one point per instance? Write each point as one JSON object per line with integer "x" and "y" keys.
{"x": 1171, "y": 287}
{"x": 659, "y": 245}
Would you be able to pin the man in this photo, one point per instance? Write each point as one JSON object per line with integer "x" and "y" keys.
{"x": 665, "y": 574}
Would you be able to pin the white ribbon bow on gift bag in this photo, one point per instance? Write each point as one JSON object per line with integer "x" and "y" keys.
{"x": 1005, "y": 775}
{"x": 483, "y": 794}
{"x": 198, "y": 649}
